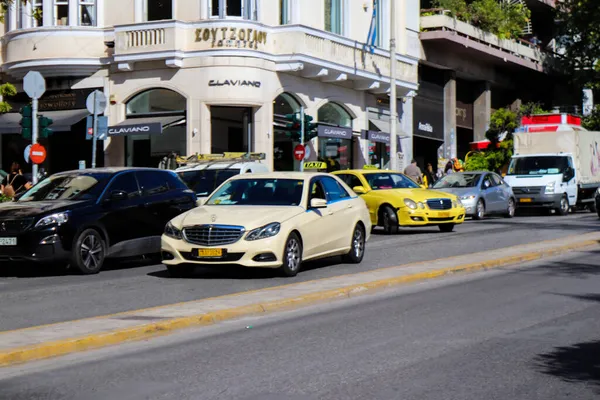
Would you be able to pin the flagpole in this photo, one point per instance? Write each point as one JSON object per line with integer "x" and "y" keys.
{"x": 393, "y": 100}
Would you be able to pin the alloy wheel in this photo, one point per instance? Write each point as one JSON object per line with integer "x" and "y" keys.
{"x": 292, "y": 254}
{"x": 480, "y": 209}
{"x": 511, "y": 207}
{"x": 91, "y": 252}
{"x": 564, "y": 205}
{"x": 358, "y": 243}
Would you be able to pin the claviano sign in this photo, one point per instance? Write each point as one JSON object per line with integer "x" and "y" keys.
{"x": 153, "y": 128}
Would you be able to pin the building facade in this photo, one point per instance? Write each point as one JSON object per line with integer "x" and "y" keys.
{"x": 212, "y": 76}
{"x": 466, "y": 74}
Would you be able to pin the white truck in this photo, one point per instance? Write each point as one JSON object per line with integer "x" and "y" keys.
{"x": 557, "y": 169}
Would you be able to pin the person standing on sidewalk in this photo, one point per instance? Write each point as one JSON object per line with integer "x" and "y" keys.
{"x": 14, "y": 183}
{"x": 430, "y": 175}
{"x": 414, "y": 172}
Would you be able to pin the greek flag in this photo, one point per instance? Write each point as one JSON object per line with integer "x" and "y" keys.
{"x": 372, "y": 37}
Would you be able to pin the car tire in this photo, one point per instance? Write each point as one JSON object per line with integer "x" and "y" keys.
{"x": 593, "y": 207}
{"x": 357, "y": 246}
{"x": 389, "y": 220}
{"x": 89, "y": 252}
{"x": 511, "y": 209}
{"x": 446, "y": 227}
{"x": 292, "y": 256}
{"x": 181, "y": 271}
{"x": 563, "y": 209}
{"x": 479, "y": 210}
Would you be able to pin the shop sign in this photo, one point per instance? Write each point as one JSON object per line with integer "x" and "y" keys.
{"x": 54, "y": 100}
{"x": 335, "y": 132}
{"x": 232, "y": 37}
{"x": 464, "y": 115}
{"x": 428, "y": 118}
{"x": 234, "y": 82}
{"x": 152, "y": 128}
{"x": 378, "y": 137}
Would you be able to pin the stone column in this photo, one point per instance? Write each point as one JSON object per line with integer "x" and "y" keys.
{"x": 405, "y": 109}
{"x": 262, "y": 132}
{"x": 194, "y": 133}
{"x": 516, "y": 105}
{"x": 482, "y": 111}
{"x": 450, "y": 116}
{"x": 203, "y": 137}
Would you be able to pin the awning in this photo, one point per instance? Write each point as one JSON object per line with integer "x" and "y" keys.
{"x": 62, "y": 120}
{"x": 384, "y": 126}
{"x": 145, "y": 125}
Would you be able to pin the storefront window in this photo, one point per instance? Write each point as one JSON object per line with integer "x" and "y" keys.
{"x": 156, "y": 105}
{"x": 379, "y": 154}
{"x": 285, "y": 140}
{"x": 336, "y": 152}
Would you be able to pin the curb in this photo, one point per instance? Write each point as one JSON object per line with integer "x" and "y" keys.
{"x": 71, "y": 345}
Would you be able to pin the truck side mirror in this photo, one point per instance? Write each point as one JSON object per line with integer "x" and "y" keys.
{"x": 568, "y": 174}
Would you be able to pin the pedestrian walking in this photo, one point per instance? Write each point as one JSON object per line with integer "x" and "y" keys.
{"x": 414, "y": 172}
{"x": 430, "y": 175}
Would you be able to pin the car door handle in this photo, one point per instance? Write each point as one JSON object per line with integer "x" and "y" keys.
{"x": 349, "y": 206}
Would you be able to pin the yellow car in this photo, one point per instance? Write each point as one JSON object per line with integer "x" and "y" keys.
{"x": 394, "y": 200}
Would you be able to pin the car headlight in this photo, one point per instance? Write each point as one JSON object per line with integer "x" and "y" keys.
{"x": 471, "y": 197}
{"x": 421, "y": 205}
{"x": 264, "y": 232}
{"x": 410, "y": 204}
{"x": 171, "y": 231}
{"x": 457, "y": 203}
{"x": 55, "y": 219}
{"x": 550, "y": 188}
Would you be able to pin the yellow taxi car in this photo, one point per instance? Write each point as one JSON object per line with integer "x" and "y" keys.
{"x": 394, "y": 200}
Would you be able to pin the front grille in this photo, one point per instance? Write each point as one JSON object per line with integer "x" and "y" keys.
{"x": 527, "y": 190}
{"x": 213, "y": 235}
{"x": 15, "y": 225}
{"x": 439, "y": 204}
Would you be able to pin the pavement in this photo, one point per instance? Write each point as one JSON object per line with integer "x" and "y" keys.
{"x": 45, "y": 341}
{"x": 524, "y": 332}
{"x": 32, "y": 297}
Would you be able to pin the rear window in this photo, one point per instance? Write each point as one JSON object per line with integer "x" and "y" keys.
{"x": 204, "y": 182}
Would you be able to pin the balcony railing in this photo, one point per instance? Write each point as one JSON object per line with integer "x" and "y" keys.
{"x": 436, "y": 20}
{"x": 290, "y": 43}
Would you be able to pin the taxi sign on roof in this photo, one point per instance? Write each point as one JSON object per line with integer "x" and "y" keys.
{"x": 370, "y": 167}
{"x": 315, "y": 165}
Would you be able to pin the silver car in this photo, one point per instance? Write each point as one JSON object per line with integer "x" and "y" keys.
{"x": 481, "y": 192}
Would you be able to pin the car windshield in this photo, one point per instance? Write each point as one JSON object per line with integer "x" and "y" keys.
{"x": 259, "y": 192}
{"x": 386, "y": 180}
{"x": 66, "y": 187}
{"x": 204, "y": 182}
{"x": 538, "y": 165}
{"x": 457, "y": 181}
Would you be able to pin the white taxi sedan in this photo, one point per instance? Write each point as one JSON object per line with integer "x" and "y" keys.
{"x": 271, "y": 220}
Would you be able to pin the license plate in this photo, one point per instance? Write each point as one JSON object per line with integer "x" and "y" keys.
{"x": 526, "y": 200}
{"x": 209, "y": 253}
{"x": 444, "y": 214}
{"x": 8, "y": 241}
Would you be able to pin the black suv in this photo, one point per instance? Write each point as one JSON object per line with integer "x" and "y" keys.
{"x": 85, "y": 216}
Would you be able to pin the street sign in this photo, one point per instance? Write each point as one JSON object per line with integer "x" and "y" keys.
{"x": 37, "y": 153}
{"x": 96, "y": 102}
{"x": 26, "y": 153}
{"x": 102, "y": 128}
{"x": 34, "y": 84}
{"x": 299, "y": 152}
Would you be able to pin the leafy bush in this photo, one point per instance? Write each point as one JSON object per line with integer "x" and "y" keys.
{"x": 4, "y": 198}
{"x": 503, "y": 19}
{"x": 592, "y": 121}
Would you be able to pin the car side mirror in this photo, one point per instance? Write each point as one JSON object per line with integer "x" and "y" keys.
{"x": 486, "y": 184}
{"x": 424, "y": 187}
{"x": 118, "y": 195}
{"x": 568, "y": 174}
{"x": 359, "y": 189}
{"x": 318, "y": 203}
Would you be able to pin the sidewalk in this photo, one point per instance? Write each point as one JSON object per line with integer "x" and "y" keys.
{"x": 67, "y": 337}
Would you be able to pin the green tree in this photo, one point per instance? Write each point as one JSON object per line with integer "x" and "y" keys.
{"x": 6, "y": 90}
{"x": 579, "y": 33}
{"x": 592, "y": 121}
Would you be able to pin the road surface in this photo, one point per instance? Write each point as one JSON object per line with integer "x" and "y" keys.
{"x": 528, "y": 332}
{"x": 31, "y": 297}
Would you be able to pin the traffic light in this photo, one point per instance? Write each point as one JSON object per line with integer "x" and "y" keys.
{"x": 26, "y": 121}
{"x": 44, "y": 123}
{"x": 310, "y": 128}
{"x": 293, "y": 125}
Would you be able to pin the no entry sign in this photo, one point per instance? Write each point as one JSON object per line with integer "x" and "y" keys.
{"x": 37, "y": 153}
{"x": 299, "y": 152}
